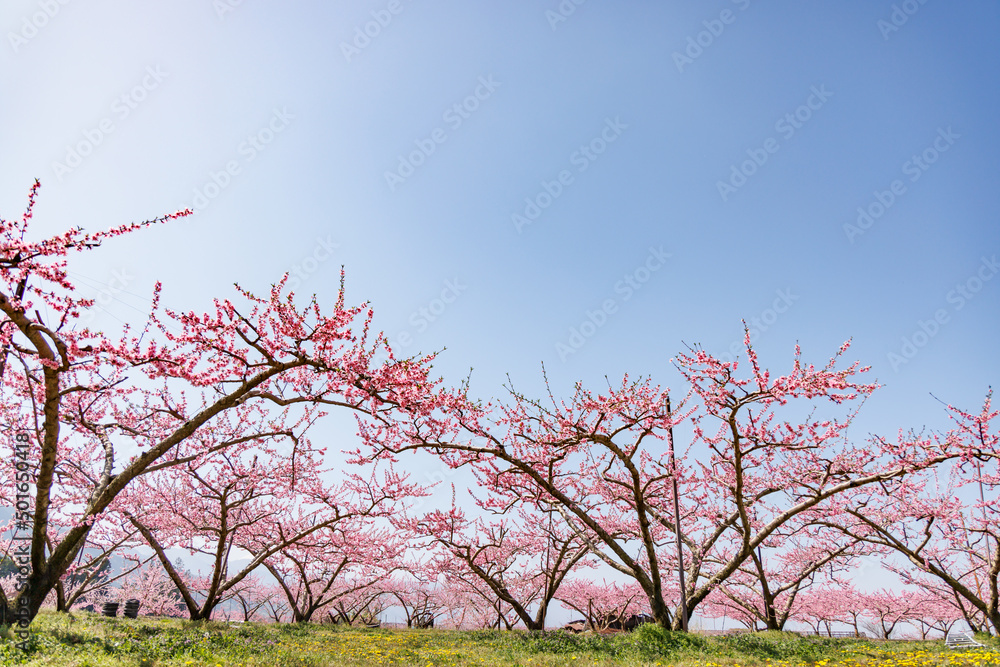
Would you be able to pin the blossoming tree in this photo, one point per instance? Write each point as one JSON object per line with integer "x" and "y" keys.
{"x": 92, "y": 427}
{"x": 754, "y": 461}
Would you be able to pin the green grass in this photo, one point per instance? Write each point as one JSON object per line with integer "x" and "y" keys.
{"x": 94, "y": 641}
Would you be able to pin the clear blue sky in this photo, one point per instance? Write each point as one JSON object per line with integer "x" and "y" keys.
{"x": 839, "y": 104}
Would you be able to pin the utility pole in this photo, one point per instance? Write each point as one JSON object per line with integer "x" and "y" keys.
{"x": 677, "y": 519}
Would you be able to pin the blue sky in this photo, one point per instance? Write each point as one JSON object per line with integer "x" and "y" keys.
{"x": 819, "y": 108}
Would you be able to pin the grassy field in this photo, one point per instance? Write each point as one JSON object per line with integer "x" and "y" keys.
{"x": 94, "y": 641}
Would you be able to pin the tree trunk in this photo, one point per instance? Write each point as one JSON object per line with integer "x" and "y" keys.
{"x": 770, "y": 614}
{"x": 995, "y": 622}
{"x": 61, "y": 598}
{"x": 662, "y": 614}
